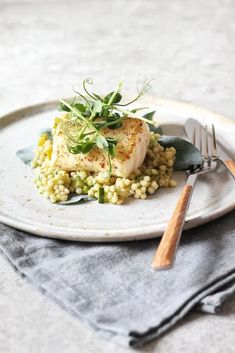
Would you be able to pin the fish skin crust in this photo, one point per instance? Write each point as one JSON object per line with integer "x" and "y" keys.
{"x": 133, "y": 140}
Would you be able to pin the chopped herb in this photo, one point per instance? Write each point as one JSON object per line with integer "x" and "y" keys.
{"x": 101, "y": 195}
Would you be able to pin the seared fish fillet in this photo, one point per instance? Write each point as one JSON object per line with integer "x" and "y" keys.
{"x": 133, "y": 139}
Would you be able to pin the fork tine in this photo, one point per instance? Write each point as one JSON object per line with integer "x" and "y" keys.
{"x": 197, "y": 138}
{"x": 201, "y": 142}
{"x": 194, "y": 136}
{"x": 207, "y": 143}
{"x": 213, "y": 143}
{"x": 204, "y": 142}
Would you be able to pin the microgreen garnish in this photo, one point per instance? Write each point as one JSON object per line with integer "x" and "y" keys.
{"x": 89, "y": 114}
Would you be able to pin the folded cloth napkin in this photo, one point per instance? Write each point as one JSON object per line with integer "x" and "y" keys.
{"x": 111, "y": 286}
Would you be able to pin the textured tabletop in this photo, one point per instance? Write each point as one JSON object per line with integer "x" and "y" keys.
{"x": 47, "y": 46}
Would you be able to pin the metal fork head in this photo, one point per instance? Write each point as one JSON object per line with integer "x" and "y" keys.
{"x": 206, "y": 146}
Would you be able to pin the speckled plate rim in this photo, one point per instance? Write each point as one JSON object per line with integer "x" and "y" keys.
{"x": 189, "y": 109}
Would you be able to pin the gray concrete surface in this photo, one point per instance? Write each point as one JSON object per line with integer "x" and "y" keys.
{"x": 46, "y": 46}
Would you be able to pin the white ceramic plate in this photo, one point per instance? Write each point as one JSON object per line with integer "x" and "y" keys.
{"x": 22, "y": 207}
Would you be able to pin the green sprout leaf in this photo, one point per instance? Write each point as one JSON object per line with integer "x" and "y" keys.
{"x": 116, "y": 99}
{"x": 63, "y": 108}
{"x": 112, "y": 149}
{"x": 112, "y": 146}
{"x": 101, "y": 142}
{"x": 75, "y": 149}
{"x": 97, "y": 107}
{"x": 87, "y": 146}
{"x": 81, "y": 107}
{"x": 114, "y": 121}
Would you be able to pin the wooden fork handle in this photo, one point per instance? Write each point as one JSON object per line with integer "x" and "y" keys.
{"x": 166, "y": 250}
{"x": 231, "y": 166}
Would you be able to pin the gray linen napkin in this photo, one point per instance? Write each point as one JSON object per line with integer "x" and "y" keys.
{"x": 111, "y": 287}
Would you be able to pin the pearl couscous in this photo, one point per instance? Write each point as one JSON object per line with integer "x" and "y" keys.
{"x": 56, "y": 185}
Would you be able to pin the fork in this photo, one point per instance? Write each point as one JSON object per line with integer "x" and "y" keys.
{"x": 229, "y": 164}
{"x": 165, "y": 254}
